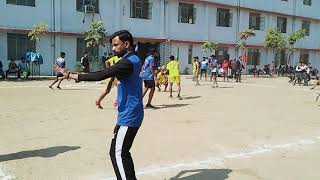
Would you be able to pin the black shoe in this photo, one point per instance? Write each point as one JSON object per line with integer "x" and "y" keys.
{"x": 170, "y": 96}
{"x": 150, "y": 106}
{"x": 179, "y": 97}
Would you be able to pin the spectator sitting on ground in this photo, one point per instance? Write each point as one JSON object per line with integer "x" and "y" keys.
{"x": 162, "y": 77}
{"x": 255, "y": 71}
{"x": 13, "y": 68}
{"x": 24, "y": 68}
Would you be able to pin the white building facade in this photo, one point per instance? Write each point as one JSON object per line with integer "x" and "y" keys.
{"x": 175, "y": 27}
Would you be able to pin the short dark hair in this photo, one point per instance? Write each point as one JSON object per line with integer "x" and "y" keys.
{"x": 123, "y": 35}
{"x": 62, "y": 54}
{"x": 153, "y": 51}
{"x": 171, "y": 57}
{"x": 85, "y": 53}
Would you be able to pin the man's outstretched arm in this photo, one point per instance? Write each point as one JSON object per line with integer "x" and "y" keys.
{"x": 122, "y": 70}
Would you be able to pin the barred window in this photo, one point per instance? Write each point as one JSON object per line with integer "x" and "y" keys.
{"x": 81, "y": 48}
{"x": 307, "y": 2}
{"x": 141, "y": 9}
{"x": 304, "y": 57}
{"x": 306, "y": 26}
{"x": 187, "y": 13}
{"x": 224, "y": 17}
{"x": 253, "y": 57}
{"x": 221, "y": 54}
{"x": 88, "y": 6}
{"x": 256, "y": 22}
{"x": 190, "y": 54}
{"x": 281, "y": 58}
{"x": 282, "y": 24}
{"x": 18, "y": 45}
{"x": 22, "y": 2}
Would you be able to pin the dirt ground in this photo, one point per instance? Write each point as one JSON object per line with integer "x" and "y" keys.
{"x": 261, "y": 129}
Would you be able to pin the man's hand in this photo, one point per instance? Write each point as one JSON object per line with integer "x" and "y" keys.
{"x": 66, "y": 74}
{"x": 62, "y": 71}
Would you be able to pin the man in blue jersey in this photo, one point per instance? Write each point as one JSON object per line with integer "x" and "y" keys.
{"x": 149, "y": 76}
{"x": 130, "y": 106}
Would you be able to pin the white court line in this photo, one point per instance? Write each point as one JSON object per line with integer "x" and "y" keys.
{"x": 278, "y": 87}
{"x": 95, "y": 86}
{"x": 3, "y": 176}
{"x": 219, "y": 161}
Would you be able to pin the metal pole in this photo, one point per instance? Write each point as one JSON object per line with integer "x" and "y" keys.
{"x": 53, "y": 28}
{"x": 237, "y": 27}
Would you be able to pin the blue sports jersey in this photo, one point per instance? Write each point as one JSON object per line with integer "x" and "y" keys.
{"x": 130, "y": 105}
{"x": 148, "y": 63}
{"x": 61, "y": 62}
{"x": 204, "y": 65}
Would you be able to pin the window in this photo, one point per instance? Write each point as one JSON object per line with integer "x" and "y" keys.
{"x": 221, "y": 54}
{"x": 282, "y": 24}
{"x": 256, "y": 22}
{"x": 253, "y": 57}
{"x": 141, "y": 9}
{"x": 190, "y": 54}
{"x": 224, "y": 17}
{"x": 88, "y": 5}
{"x": 81, "y": 48}
{"x": 187, "y": 13}
{"x": 306, "y": 26}
{"x": 281, "y": 57}
{"x": 304, "y": 57}
{"x": 307, "y": 2}
{"x": 22, "y": 2}
{"x": 19, "y": 45}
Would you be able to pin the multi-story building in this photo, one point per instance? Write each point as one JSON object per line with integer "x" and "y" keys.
{"x": 175, "y": 27}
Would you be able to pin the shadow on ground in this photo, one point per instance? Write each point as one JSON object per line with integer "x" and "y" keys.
{"x": 14, "y": 79}
{"x": 165, "y": 106}
{"x": 191, "y": 97}
{"x": 45, "y": 153}
{"x": 75, "y": 89}
{"x": 203, "y": 174}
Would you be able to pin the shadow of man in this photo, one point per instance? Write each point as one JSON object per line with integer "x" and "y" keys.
{"x": 203, "y": 174}
{"x": 45, "y": 153}
{"x": 191, "y": 97}
{"x": 165, "y": 106}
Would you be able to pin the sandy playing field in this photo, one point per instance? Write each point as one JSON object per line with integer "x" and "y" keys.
{"x": 261, "y": 129}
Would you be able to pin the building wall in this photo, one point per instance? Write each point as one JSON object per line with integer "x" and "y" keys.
{"x": 3, "y": 50}
{"x": 162, "y": 25}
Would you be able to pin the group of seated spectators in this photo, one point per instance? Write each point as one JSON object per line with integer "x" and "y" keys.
{"x": 281, "y": 70}
{"x": 21, "y": 69}
{"x": 303, "y": 74}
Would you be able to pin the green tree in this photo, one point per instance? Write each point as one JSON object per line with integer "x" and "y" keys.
{"x": 209, "y": 46}
{"x": 37, "y": 31}
{"x": 293, "y": 39}
{"x": 276, "y": 40}
{"x": 95, "y": 36}
{"x": 244, "y": 36}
